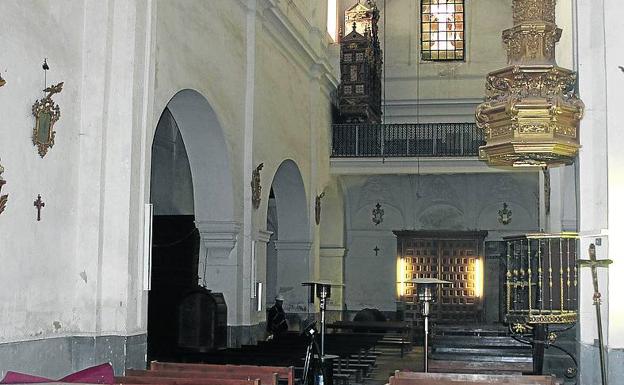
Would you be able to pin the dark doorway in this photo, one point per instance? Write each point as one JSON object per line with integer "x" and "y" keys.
{"x": 175, "y": 253}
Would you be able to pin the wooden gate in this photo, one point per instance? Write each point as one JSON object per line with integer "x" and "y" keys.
{"x": 448, "y": 255}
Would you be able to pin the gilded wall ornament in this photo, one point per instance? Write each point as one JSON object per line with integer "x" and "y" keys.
{"x": 5, "y": 197}
{"x": 378, "y": 214}
{"x": 317, "y": 207}
{"x": 504, "y": 215}
{"x": 256, "y": 189}
{"x": 2, "y": 81}
{"x": 46, "y": 113}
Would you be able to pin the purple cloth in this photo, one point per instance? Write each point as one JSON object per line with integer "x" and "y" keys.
{"x": 100, "y": 374}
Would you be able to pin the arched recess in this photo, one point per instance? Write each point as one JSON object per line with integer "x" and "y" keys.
{"x": 209, "y": 161}
{"x": 288, "y": 214}
{"x": 191, "y": 189}
{"x": 208, "y": 156}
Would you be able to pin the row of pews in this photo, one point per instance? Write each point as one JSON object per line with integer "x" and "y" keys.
{"x": 165, "y": 373}
{"x": 355, "y": 354}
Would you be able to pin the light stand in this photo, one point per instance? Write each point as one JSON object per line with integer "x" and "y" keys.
{"x": 426, "y": 289}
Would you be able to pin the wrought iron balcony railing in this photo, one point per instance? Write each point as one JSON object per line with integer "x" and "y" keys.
{"x": 406, "y": 140}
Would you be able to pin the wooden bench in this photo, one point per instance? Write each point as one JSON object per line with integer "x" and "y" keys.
{"x": 265, "y": 378}
{"x": 183, "y": 381}
{"x": 251, "y": 371}
{"x": 417, "y": 378}
{"x": 476, "y": 367}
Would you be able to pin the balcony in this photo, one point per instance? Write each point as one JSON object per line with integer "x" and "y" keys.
{"x": 406, "y": 140}
{"x": 407, "y": 148}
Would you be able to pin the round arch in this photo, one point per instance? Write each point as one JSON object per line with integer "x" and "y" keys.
{"x": 290, "y": 265}
{"x": 208, "y": 156}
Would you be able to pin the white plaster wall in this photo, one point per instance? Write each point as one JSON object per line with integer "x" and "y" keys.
{"x": 43, "y": 293}
{"x": 78, "y": 271}
{"x": 426, "y": 91}
{"x": 425, "y": 202}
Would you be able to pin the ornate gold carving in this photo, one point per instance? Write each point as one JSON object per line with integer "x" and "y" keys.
{"x": 2, "y": 81}
{"x": 46, "y": 113}
{"x": 531, "y": 114}
{"x": 3, "y": 198}
{"x": 317, "y": 207}
{"x": 256, "y": 188}
{"x": 535, "y": 318}
{"x": 533, "y": 10}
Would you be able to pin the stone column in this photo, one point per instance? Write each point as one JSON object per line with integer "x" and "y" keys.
{"x": 293, "y": 268}
{"x": 218, "y": 263}
{"x": 332, "y": 269}
{"x": 601, "y": 181}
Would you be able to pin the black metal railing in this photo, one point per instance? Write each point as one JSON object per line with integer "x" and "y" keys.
{"x": 406, "y": 140}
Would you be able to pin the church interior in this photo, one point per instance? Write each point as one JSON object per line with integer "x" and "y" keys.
{"x": 422, "y": 191}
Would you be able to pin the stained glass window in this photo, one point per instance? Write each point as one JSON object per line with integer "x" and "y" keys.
{"x": 442, "y": 30}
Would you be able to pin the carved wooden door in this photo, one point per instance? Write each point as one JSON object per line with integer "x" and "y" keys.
{"x": 450, "y": 256}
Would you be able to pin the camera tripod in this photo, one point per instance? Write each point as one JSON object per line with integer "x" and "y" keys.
{"x": 313, "y": 353}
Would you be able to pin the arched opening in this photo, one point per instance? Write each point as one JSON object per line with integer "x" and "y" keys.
{"x": 191, "y": 191}
{"x": 175, "y": 241}
{"x": 288, "y": 251}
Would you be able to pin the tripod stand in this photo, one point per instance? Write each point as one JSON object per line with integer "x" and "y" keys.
{"x": 312, "y": 352}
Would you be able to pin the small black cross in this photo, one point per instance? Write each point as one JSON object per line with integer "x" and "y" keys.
{"x": 376, "y": 249}
{"x": 39, "y": 205}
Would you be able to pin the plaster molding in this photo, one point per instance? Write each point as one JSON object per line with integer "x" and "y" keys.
{"x": 218, "y": 235}
{"x": 332, "y": 252}
{"x": 293, "y": 245}
{"x": 263, "y": 236}
{"x": 434, "y": 102}
{"x": 407, "y": 165}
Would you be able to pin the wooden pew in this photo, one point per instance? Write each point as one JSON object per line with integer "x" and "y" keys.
{"x": 417, "y": 378}
{"x": 183, "y": 381}
{"x": 476, "y": 367}
{"x": 265, "y": 378}
{"x": 252, "y": 371}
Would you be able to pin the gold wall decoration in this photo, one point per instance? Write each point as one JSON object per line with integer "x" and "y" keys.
{"x": 46, "y": 113}
{"x": 531, "y": 113}
{"x": 2, "y": 81}
{"x": 378, "y": 214}
{"x": 317, "y": 207}
{"x": 256, "y": 189}
{"x": 504, "y": 214}
{"x": 5, "y": 197}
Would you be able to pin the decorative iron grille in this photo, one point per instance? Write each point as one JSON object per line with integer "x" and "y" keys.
{"x": 406, "y": 140}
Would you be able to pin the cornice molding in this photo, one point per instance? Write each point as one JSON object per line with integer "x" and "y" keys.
{"x": 263, "y": 236}
{"x": 332, "y": 252}
{"x": 404, "y": 165}
{"x": 293, "y": 245}
{"x": 218, "y": 234}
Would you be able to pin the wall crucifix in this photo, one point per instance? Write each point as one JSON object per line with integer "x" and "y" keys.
{"x": 39, "y": 204}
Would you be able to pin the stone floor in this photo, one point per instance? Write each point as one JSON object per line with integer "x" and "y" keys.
{"x": 391, "y": 360}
